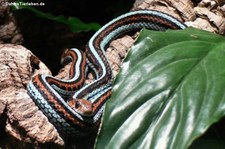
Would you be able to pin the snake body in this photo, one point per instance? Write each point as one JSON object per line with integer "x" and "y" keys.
{"x": 73, "y": 107}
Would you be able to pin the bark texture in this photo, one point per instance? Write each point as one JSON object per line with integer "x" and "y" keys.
{"x": 23, "y": 125}
{"x": 23, "y": 121}
{"x": 9, "y": 32}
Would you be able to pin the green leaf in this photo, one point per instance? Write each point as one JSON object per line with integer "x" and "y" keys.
{"x": 168, "y": 93}
{"x": 74, "y": 23}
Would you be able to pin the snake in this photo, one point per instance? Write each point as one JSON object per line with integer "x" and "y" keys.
{"x": 73, "y": 107}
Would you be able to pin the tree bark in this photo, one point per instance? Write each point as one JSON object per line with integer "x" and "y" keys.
{"x": 9, "y": 32}
{"x": 23, "y": 125}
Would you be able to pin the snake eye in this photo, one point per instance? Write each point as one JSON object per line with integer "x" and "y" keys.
{"x": 77, "y": 105}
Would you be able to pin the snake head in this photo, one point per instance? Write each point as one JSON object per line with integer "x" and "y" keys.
{"x": 82, "y": 106}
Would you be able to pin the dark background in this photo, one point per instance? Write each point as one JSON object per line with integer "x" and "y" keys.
{"x": 47, "y": 39}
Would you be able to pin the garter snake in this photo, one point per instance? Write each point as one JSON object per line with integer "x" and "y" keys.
{"x": 73, "y": 107}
